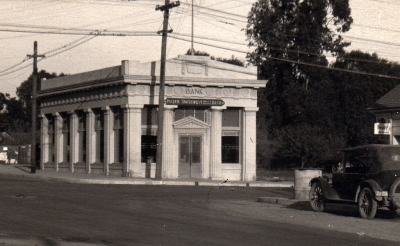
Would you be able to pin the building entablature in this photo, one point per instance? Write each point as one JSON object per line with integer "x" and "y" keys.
{"x": 185, "y": 71}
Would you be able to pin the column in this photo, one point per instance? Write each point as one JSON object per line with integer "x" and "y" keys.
{"x": 107, "y": 139}
{"x": 90, "y": 139}
{"x": 215, "y": 143}
{"x": 74, "y": 139}
{"x": 58, "y": 140}
{"x": 132, "y": 140}
{"x": 168, "y": 150}
{"x": 45, "y": 141}
{"x": 249, "y": 144}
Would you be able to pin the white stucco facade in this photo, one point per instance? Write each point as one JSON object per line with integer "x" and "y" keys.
{"x": 103, "y": 121}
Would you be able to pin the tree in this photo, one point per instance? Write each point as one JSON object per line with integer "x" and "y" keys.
{"x": 16, "y": 114}
{"x": 286, "y": 34}
{"x": 354, "y": 93}
{"x": 24, "y": 91}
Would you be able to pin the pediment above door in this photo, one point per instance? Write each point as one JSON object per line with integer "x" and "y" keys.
{"x": 190, "y": 122}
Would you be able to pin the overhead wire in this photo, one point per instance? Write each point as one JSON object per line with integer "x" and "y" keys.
{"x": 205, "y": 44}
{"x": 47, "y": 54}
{"x": 180, "y": 23}
{"x": 304, "y": 63}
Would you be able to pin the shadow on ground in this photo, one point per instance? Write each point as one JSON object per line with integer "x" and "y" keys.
{"x": 347, "y": 210}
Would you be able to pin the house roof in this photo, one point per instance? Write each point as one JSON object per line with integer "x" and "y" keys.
{"x": 390, "y": 100}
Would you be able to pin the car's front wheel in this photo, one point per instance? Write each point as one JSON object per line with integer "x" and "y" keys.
{"x": 367, "y": 206}
{"x": 317, "y": 199}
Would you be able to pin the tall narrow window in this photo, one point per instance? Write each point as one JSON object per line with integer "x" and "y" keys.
{"x": 149, "y": 130}
{"x": 51, "y": 138}
{"x": 82, "y": 136}
{"x": 230, "y": 141}
{"x": 230, "y": 149}
{"x": 118, "y": 128}
{"x": 149, "y": 148}
{"x": 66, "y": 137}
{"x": 99, "y": 131}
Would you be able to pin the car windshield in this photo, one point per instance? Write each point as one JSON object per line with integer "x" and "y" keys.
{"x": 390, "y": 158}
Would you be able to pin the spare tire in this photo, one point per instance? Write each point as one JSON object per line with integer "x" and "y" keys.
{"x": 394, "y": 193}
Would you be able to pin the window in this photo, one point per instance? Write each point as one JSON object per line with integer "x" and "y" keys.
{"x": 198, "y": 113}
{"x": 149, "y": 115}
{"x": 356, "y": 162}
{"x": 82, "y": 136}
{"x": 149, "y": 148}
{"x": 51, "y": 136}
{"x": 231, "y": 128}
{"x": 231, "y": 117}
{"x": 230, "y": 149}
{"x": 99, "y": 130}
{"x": 66, "y": 137}
{"x": 118, "y": 128}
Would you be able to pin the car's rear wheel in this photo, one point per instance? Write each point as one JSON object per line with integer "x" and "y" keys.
{"x": 367, "y": 206}
{"x": 317, "y": 199}
{"x": 394, "y": 194}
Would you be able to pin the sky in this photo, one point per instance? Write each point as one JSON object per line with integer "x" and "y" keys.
{"x": 83, "y": 35}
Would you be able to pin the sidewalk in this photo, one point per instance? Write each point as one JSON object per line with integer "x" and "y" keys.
{"x": 24, "y": 171}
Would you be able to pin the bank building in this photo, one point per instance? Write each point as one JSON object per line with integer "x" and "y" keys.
{"x": 105, "y": 121}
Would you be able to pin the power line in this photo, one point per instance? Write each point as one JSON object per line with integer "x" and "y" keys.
{"x": 129, "y": 33}
{"x": 333, "y": 68}
{"x": 304, "y": 63}
{"x": 219, "y": 11}
{"x": 48, "y": 54}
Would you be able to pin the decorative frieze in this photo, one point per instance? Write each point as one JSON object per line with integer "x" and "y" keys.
{"x": 87, "y": 96}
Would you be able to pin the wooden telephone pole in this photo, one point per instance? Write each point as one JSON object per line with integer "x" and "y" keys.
{"x": 34, "y": 115}
{"x": 161, "y": 94}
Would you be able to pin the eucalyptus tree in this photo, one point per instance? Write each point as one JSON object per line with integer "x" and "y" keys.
{"x": 291, "y": 41}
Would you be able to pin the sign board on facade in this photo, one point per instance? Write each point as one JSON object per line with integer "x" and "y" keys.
{"x": 382, "y": 128}
{"x": 194, "y": 102}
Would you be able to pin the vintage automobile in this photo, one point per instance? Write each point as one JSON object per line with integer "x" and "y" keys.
{"x": 368, "y": 176}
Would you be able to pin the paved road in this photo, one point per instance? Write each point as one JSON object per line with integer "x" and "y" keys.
{"x": 38, "y": 212}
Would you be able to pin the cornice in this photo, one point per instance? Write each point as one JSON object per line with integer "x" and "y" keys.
{"x": 152, "y": 80}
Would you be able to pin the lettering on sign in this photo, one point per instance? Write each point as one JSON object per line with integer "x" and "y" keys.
{"x": 194, "y": 102}
{"x": 194, "y": 91}
{"x": 382, "y": 128}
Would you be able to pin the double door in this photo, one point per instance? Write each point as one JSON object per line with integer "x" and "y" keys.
{"x": 190, "y": 156}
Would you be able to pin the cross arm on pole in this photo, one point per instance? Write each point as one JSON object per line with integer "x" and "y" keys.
{"x": 168, "y": 6}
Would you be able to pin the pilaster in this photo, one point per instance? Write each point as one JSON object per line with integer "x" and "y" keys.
{"x": 107, "y": 139}
{"x": 58, "y": 140}
{"x": 74, "y": 139}
{"x": 215, "y": 143}
{"x": 168, "y": 149}
{"x": 249, "y": 143}
{"x": 45, "y": 141}
{"x": 132, "y": 140}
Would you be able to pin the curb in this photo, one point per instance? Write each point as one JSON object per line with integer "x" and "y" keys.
{"x": 282, "y": 201}
{"x": 127, "y": 181}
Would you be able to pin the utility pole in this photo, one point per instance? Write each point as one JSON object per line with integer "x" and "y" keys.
{"x": 34, "y": 104}
{"x": 161, "y": 94}
{"x": 192, "y": 51}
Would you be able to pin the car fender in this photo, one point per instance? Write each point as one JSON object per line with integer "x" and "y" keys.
{"x": 373, "y": 185}
{"x": 328, "y": 192}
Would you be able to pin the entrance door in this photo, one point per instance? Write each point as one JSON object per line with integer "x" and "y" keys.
{"x": 190, "y": 156}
